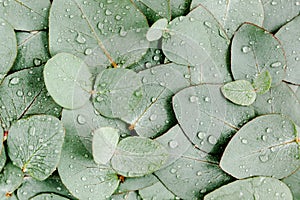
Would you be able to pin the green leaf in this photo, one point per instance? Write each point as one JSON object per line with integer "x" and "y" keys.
{"x": 103, "y": 33}
{"x": 26, "y": 15}
{"x": 34, "y": 145}
{"x": 288, "y": 36}
{"x": 232, "y": 13}
{"x": 32, "y": 50}
{"x": 113, "y": 89}
{"x": 8, "y": 47}
{"x": 255, "y": 50}
{"x": 68, "y": 80}
{"x": 10, "y": 179}
{"x": 252, "y": 188}
{"x": 280, "y": 99}
{"x": 1, "y": 140}
{"x": 293, "y": 182}
{"x": 81, "y": 175}
{"x": 193, "y": 175}
{"x": 127, "y": 196}
{"x": 129, "y": 161}
{"x": 2, "y": 158}
{"x": 240, "y": 92}
{"x": 155, "y": 32}
{"x": 32, "y": 187}
{"x": 207, "y": 119}
{"x": 262, "y": 83}
{"x": 23, "y": 94}
{"x": 48, "y": 197}
{"x": 180, "y": 7}
{"x": 261, "y": 143}
{"x": 105, "y": 141}
{"x": 156, "y": 191}
{"x": 279, "y": 12}
{"x": 137, "y": 183}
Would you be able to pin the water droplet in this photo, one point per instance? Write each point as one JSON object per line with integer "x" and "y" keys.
{"x": 273, "y": 3}
{"x": 83, "y": 178}
{"x": 88, "y": 51}
{"x": 20, "y": 93}
{"x": 244, "y": 141}
{"x": 156, "y": 58}
{"x": 81, "y": 119}
{"x": 297, "y": 3}
{"x": 276, "y": 64}
{"x": 207, "y": 24}
{"x": 246, "y": 49}
{"x": 173, "y": 171}
{"x": 193, "y": 99}
{"x": 206, "y": 99}
{"x": 118, "y": 17}
{"x": 80, "y": 39}
{"x": 148, "y": 64}
{"x": 31, "y": 131}
{"x": 201, "y": 135}
{"x": 212, "y": 139}
{"x": 30, "y": 147}
{"x": 14, "y": 81}
{"x": 108, "y": 12}
{"x": 264, "y": 138}
{"x": 153, "y": 117}
{"x": 268, "y": 130}
{"x": 173, "y": 144}
{"x": 122, "y": 32}
{"x": 199, "y": 173}
{"x": 263, "y": 158}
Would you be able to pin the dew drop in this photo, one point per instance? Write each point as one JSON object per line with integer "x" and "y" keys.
{"x": 276, "y": 64}
{"x": 20, "y": 93}
{"x": 212, "y": 139}
{"x": 264, "y": 138}
{"x": 14, "y": 81}
{"x": 199, "y": 173}
{"x": 246, "y": 49}
{"x": 193, "y": 99}
{"x": 81, "y": 119}
{"x": 173, "y": 144}
{"x": 153, "y": 117}
{"x": 88, "y": 51}
{"x": 31, "y": 131}
{"x": 206, "y": 99}
{"x": 37, "y": 62}
{"x": 207, "y": 24}
{"x": 80, "y": 39}
{"x": 83, "y": 178}
{"x": 263, "y": 158}
{"x": 173, "y": 171}
{"x": 244, "y": 141}
{"x": 268, "y": 130}
{"x": 108, "y": 12}
{"x": 30, "y": 147}
{"x": 201, "y": 135}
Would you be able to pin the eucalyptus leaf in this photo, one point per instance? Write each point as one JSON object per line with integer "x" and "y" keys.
{"x": 293, "y": 182}
{"x": 3, "y": 159}
{"x": 261, "y": 143}
{"x": 137, "y": 183}
{"x": 262, "y": 83}
{"x": 232, "y": 13}
{"x": 253, "y": 51}
{"x": 68, "y": 80}
{"x": 105, "y": 142}
{"x": 155, "y": 32}
{"x": 22, "y": 94}
{"x": 94, "y": 31}
{"x": 156, "y": 191}
{"x": 206, "y": 118}
{"x": 81, "y": 175}
{"x": 10, "y": 179}
{"x": 32, "y": 50}
{"x": 26, "y": 15}
{"x": 128, "y": 158}
{"x": 34, "y": 145}
{"x": 48, "y": 197}
{"x": 288, "y": 36}
{"x": 8, "y": 47}
{"x": 252, "y": 188}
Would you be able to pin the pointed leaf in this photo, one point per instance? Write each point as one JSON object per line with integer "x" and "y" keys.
{"x": 255, "y": 50}
{"x": 232, "y": 13}
{"x": 288, "y": 36}
{"x": 239, "y": 92}
{"x": 262, "y": 83}
{"x": 129, "y": 161}
{"x": 98, "y": 29}
{"x": 252, "y": 188}
{"x": 105, "y": 141}
{"x": 68, "y": 80}
{"x": 34, "y": 145}
{"x": 8, "y": 47}
{"x": 293, "y": 182}
{"x": 261, "y": 143}
{"x": 206, "y": 118}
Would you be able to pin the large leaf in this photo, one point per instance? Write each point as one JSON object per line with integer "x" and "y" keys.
{"x": 129, "y": 157}
{"x": 280, "y": 99}
{"x": 8, "y": 47}
{"x": 22, "y": 94}
{"x": 252, "y": 188}
{"x": 32, "y": 50}
{"x": 288, "y": 36}
{"x": 26, "y": 15}
{"x": 68, "y": 80}
{"x": 32, "y": 187}
{"x": 293, "y": 182}
{"x": 156, "y": 191}
{"x": 279, "y": 12}
{"x": 263, "y": 146}
{"x": 232, "y": 13}
{"x": 207, "y": 118}
{"x": 94, "y": 31}
{"x": 193, "y": 175}
{"x": 86, "y": 120}
{"x": 10, "y": 179}
{"x": 253, "y": 51}
{"x": 81, "y": 175}
{"x": 34, "y": 144}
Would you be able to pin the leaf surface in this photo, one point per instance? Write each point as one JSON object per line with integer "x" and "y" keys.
{"x": 3, "y": 158}
{"x": 262, "y": 83}
{"x": 157, "y": 191}
{"x": 48, "y": 197}
{"x": 34, "y": 144}
{"x": 11, "y": 178}
{"x": 293, "y": 182}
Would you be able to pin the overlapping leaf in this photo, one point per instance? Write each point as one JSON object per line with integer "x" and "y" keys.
{"x": 157, "y": 191}
{"x": 48, "y": 196}
{"x": 293, "y": 182}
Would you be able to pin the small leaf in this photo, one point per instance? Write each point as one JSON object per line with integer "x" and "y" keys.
{"x": 262, "y": 83}
{"x": 156, "y": 30}
{"x": 259, "y": 144}
{"x": 239, "y": 92}
{"x": 8, "y": 47}
{"x": 48, "y": 197}
{"x": 293, "y": 182}
{"x": 10, "y": 179}
{"x": 105, "y": 141}
{"x": 129, "y": 161}
{"x": 255, "y": 50}
{"x": 68, "y": 80}
{"x": 252, "y": 188}
{"x": 34, "y": 145}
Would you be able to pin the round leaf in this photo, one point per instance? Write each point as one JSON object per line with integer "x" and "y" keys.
{"x": 156, "y": 30}
{"x": 262, "y": 83}
{"x": 239, "y": 92}
{"x": 129, "y": 158}
{"x": 252, "y": 188}
{"x": 263, "y": 146}
{"x": 34, "y": 145}
{"x": 255, "y": 50}
{"x": 105, "y": 141}
{"x": 68, "y": 80}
